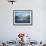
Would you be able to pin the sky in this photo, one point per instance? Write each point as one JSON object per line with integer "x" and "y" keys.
{"x": 23, "y": 13}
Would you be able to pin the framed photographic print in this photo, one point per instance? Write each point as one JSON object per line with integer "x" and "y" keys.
{"x": 22, "y": 17}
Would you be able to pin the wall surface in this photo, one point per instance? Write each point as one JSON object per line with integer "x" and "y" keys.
{"x": 37, "y": 31}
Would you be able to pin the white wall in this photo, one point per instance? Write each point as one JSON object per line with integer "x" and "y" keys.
{"x": 37, "y": 31}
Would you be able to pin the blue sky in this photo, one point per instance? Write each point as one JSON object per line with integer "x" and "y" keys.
{"x": 22, "y": 13}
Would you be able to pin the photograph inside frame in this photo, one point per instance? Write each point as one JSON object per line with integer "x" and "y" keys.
{"x": 22, "y": 16}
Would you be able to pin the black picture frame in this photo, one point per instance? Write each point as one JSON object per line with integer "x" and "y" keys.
{"x": 22, "y": 17}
